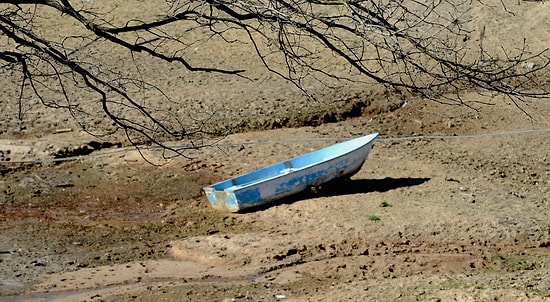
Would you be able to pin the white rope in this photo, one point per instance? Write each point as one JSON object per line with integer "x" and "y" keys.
{"x": 483, "y": 135}
{"x": 388, "y": 139}
{"x": 286, "y": 141}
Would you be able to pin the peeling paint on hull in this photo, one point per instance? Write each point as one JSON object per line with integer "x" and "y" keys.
{"x": 295, "y": 175}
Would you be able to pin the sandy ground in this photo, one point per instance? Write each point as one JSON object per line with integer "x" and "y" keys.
{"x": 457, "y": 219}
{"x": 451, "y": 205}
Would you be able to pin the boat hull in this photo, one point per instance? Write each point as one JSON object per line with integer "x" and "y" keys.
{"x": 283, "y": 179}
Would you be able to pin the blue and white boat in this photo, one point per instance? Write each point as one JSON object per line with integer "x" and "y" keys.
{"x": 283, "y": 179}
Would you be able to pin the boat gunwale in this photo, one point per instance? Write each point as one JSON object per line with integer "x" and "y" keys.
{"x": 235, "y": 188}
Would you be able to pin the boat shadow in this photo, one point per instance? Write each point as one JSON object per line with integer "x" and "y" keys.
{"x": 346, "y": 187}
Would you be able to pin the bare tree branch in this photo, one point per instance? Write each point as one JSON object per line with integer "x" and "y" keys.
{"x": 420, "y": 46}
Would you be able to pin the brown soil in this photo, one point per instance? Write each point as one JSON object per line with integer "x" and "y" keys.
{"x": 463, "y": 216}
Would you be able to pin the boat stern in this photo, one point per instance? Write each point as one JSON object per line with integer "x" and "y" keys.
{"x": 222, "y": 200}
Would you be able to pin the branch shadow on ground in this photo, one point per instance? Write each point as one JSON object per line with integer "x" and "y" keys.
{"x": 346, "y": 187}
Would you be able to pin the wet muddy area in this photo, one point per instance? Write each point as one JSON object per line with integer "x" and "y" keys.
{"x": 82, "y": 214}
